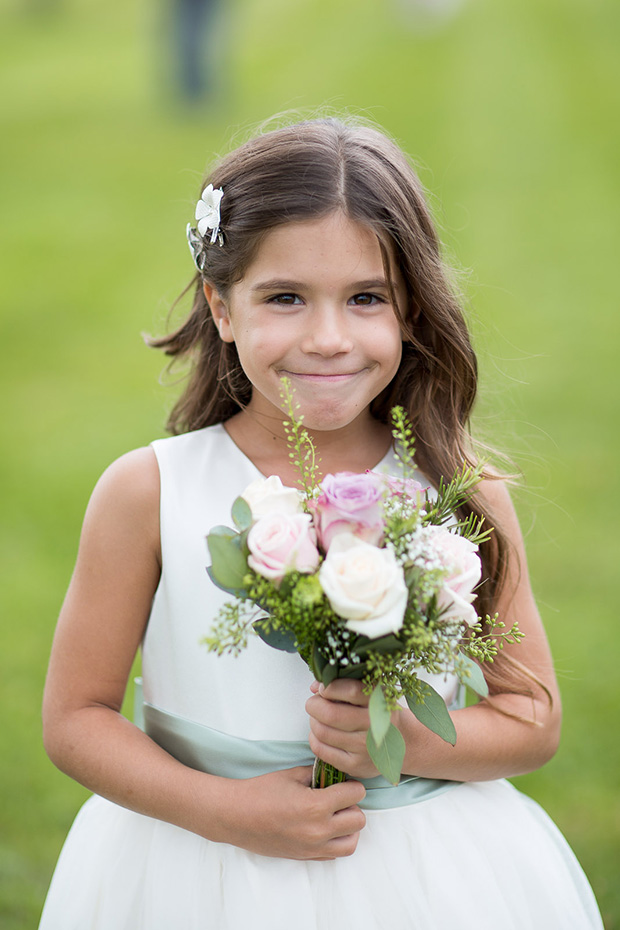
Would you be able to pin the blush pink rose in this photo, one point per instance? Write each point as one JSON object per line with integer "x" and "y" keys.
{"x": 350, "y": 503}
{"x": 408, "y": 487}
{"x": 460, "y": 560}
{"x": 281, "y": 543}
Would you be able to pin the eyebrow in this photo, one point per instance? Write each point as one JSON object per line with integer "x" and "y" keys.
{"x": 278, "y": 284}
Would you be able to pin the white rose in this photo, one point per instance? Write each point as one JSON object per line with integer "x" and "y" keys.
{"x": 365, "y": 585}
{"x": 269, "y": 495}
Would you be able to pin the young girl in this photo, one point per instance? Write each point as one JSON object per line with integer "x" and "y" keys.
{"x": 317, "y": 261}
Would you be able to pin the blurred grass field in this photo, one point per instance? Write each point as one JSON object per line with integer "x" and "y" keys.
{"x": 511, "y": 113}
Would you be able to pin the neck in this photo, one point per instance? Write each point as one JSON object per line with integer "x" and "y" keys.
{"x": 358, "y": 446}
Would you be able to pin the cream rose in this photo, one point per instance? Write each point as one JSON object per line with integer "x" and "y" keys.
{"x": 364, "y": 585}
{"x": 269, "y": 495}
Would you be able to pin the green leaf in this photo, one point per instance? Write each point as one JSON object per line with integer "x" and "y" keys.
{"x": 241, "y": 514}
{"x": 278, "y": 639}
{"x": 383, "y": 645}
{"x": 379, "y": 715}
{"x": 433, "y": 713}
{"x": 471, "y": 675}
{"x": 221, "y": 531}
{"x": 317, "y": 664}
{"x": 228, "y": 564}
{"x": 389, "y": 754}
{"x": 352, "y": 671}
{"x": 330, "y": 673}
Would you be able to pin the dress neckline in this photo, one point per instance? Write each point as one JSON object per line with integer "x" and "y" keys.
{"x": 385, "y": 461}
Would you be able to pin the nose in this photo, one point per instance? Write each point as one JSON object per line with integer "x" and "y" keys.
{"x": 328, "y": 332}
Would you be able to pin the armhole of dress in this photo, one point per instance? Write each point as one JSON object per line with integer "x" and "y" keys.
{"x": 156, "y": 451}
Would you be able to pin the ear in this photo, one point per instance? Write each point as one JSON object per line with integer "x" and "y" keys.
{"x": 219, "y": 312}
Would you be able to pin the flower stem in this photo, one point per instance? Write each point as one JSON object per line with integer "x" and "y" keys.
{"x": 324, "y": 774}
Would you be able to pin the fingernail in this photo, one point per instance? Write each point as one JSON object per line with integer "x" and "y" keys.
{"x": 321, "y": 688}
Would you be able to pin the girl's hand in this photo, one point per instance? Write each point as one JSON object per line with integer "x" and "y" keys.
{"x": 339, "y": 722}
{"x": 280, "y": 815}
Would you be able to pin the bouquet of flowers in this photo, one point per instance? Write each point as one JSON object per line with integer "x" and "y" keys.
{"x": 366, "y": 576}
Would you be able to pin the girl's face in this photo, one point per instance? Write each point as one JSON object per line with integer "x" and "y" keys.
{"x": 314, "y": 306}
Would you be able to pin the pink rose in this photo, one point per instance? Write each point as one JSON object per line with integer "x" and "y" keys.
{"x": 460, "y": 560}
{"x": 350, "y": 503}
{"x": 281, "y": 543}
{"x": 407, "y": 487}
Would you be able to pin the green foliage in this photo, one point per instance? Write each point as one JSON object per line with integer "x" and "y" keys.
{"x": 470, "y": 674}
{"x": 389, "y": 754}
{"x": 486, "y": 639}
{"x": 379, "y": 715}
{"x": 228, "y": 559}
{"x": 303, "y": 453}
{"x": 430, "y": 709}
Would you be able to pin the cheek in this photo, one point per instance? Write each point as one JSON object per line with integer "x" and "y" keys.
{"x": 387, "y": 344}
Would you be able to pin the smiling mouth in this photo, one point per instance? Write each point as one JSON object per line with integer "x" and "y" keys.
{"x": 331, "y": 377}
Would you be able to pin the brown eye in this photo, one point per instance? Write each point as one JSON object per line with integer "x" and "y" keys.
{"x": 367, "y": 300}
{"x": 285, "y": 300}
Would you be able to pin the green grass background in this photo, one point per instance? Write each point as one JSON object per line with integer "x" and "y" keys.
{"x": 511, "y": 112}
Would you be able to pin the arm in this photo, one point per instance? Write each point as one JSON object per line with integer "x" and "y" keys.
{"x": 489, "y": 744}
{"x": 101, "y": 624}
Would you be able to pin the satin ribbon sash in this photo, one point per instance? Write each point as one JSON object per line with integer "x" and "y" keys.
{"x": 207, "y": 750}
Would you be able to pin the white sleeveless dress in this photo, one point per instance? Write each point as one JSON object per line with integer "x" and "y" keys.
{"x": 479, "y": 856}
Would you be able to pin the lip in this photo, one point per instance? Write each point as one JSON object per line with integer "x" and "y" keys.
{"x": 321, "y": 378}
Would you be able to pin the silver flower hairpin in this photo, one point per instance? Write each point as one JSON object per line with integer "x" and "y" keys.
{"x": 207, "y": 218}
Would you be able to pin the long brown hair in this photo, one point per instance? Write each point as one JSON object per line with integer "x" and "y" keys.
{"x": 309, "y": 170}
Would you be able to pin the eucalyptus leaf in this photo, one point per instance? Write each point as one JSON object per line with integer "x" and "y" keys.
{"x": 471, "y": 675}
{"x": 239, "y": 592}
{"x": 221, "y": 531}
{"x": 280, "y": 639}
{"x": 389, "y": 754}
{"x": 241, "y": 514}
{"x": 228, "y": 564}
{"x": 433, "y": 713}
{"x": 379, "y": 714}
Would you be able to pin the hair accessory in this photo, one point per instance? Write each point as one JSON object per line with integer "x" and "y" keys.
{"x": 208, "y": 213}
{"x": 207, "y": 217}
{"x": 196, "y": 247}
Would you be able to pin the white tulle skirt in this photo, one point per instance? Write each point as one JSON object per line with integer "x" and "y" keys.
{"x": 480, "y": 856}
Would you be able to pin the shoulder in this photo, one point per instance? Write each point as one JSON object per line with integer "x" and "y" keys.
{"x": 134, "y": 477}
{"x": 124, "y": 507}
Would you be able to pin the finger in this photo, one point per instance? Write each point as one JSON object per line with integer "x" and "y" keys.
{"x": 342, "y": 846}
{"x": 345, "y": 795}
{"x": 351, "y": 741}
{"x": 347, "y": 690}
{"x": 339, "y": 715}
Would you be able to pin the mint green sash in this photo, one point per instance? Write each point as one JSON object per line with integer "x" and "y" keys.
{"x": 208, "y": 750}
